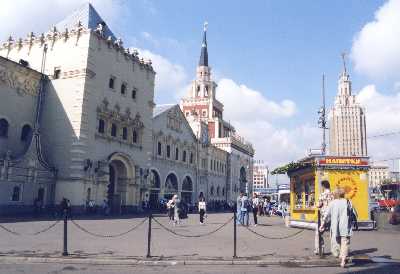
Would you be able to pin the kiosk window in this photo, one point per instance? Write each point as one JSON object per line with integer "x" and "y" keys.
{"x": 309, "y": 192}
{"x": 298, "y": 194}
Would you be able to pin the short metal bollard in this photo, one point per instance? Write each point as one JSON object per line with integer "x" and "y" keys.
{"x": 149, "y": 237}
{"x": 65, "y": 242}
{"x": 234, "y": 233}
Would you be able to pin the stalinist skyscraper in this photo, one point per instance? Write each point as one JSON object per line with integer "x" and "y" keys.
{"x": 347, "y": 129}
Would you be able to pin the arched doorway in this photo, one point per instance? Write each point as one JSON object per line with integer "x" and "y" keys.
{"x": 117, "y": 187}
{"x": 154, "y": 182}
{"x": 242, "y": 180}
{"x": 171, "y": 186}
{"x": 187, "y": 190}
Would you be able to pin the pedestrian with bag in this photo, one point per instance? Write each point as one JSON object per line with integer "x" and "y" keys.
{"x": 202, "y": 210}
{"x": 339, "y": 213}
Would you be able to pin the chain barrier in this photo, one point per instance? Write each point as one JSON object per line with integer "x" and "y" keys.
{"x": 275, "y": 238}
{"x": 108, "y": 236}
{"x": 30, "y": 234}
{"x": 9, "y": 230}
{"x": 192, "y": 236}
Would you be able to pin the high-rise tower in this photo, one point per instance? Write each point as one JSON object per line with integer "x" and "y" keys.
{"x": 347, "y": 128}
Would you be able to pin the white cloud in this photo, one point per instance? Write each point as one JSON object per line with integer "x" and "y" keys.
{"x": 382, "y": 111}
{"x": 171, "y": 78}
{"x": 244, "y": 104}
{"x": 19, "y": 17}
{"x": 382, "y": 115}
{"x": 376, "y": 48}
{"x": 262, "y": 122}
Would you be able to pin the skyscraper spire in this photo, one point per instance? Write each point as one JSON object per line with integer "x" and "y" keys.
{"x": 344, "y": 62}
{"x": 204, "y": 54}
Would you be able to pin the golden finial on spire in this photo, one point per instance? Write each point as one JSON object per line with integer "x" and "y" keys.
{"x": 205, "y": 26}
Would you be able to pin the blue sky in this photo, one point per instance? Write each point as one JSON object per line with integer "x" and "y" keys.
{"x": 267, "y": 57}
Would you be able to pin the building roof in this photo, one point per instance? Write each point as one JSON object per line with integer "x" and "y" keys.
{"x": 89, "y": 18}
{"x": 162, "y": 108}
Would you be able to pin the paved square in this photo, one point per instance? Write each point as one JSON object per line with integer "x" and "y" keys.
{"x": 218, "y": 245}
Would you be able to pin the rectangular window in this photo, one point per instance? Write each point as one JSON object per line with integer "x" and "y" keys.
{"x": 168, "y": 151}
{"x": 184, "y": 156}
{"x": 114, "y": 130}
{"x": 111, "y": 82}
{"x": 159, "y": 149}
{"x": 134, "y": 94}
{"x": 124, "y": 133}
{"x": 101, "y": 126}
{"x": 176, "y": 154}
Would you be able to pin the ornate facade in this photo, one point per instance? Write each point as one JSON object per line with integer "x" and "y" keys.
{"x": 96, "y": 120}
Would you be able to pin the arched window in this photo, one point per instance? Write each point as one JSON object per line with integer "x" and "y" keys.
{"x": 159, "y": 149}
{"x": 114, "y": 130}
{"x": 3, "y": 128}
{"x": 101, "y": 126}
{"x": 212, "y": 191}
{"x": 124, "y": 133}
{"x": 218, "y": 191}
{"x": 26, "y": 133}
{"x": 16, "y": 194}
{"x": 134, "y": 136}
{"x": 176, "y": 154}
{"x": 134, "y": 94}
{"x": 223, "y": 191}
{"x": 184, "y": 156}
{"x": 123, "y": 89}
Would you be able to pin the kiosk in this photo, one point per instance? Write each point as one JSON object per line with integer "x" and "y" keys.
{"x": 306, "y": 175}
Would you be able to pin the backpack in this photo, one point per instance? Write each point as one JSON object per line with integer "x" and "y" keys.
{"x": 351, "y": 214}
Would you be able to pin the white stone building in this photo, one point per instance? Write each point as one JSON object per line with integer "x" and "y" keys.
{"x": 97, "y": 110}
{"x": 78, "y": 121}
{"x": 377, "y": 174}
{"x": 347, "y": 128}
{"x": 260, "y": 175}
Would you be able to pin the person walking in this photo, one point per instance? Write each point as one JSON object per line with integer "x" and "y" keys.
{"x": 171, "y": 210}
{"x": 177, "y": 210}
{"x": 238, "y": 207}
{"x": 339, "y": 213}
{"x": 255, "y": 204}
{"x": 324, "y": 199}
{"x": 244, "y": 210}
{"x": 202, "y": 210}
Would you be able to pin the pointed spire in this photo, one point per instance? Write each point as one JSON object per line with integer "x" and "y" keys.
{"x": 204, "y": 54}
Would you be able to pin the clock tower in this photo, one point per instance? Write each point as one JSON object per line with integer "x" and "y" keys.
{"x": 201, "y": 101}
